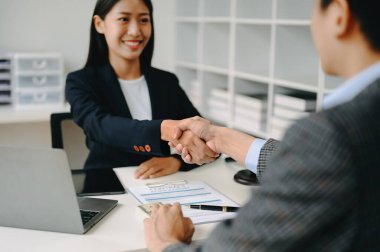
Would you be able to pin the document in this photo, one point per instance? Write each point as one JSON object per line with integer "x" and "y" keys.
{"x": 186, "y": 193}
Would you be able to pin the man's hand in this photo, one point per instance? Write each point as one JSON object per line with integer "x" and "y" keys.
{"x": 167, "y": 226}
{"x": 203, "y": 129}
{"x": 157, "y": 167}
{"x": 200, "y": 152}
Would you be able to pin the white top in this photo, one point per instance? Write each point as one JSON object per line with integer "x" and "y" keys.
{"x": 136, "y": 94}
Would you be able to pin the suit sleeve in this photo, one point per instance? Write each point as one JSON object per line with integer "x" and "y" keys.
{"x": 305, "y": 201}
{"x": 266, "y": 152}
{"x": 91, "y": 114}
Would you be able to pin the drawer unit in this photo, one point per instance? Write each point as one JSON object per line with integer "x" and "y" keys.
{"x": 5, "y": 79}
{"x": 28, "y": 98}
{"x": 37, "y": 62}
{"x": 37, "y": 79}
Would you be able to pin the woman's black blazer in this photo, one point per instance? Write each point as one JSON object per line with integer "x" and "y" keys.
{"x": 114, "y": 139}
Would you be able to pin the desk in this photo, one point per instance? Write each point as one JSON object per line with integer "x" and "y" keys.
{"x": 28, "y": 126}
{"x": 121, "y": 230}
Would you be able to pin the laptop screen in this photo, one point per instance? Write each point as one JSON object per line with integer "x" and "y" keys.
{"x": 96, "y": 182}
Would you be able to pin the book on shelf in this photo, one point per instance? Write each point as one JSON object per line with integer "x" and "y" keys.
{"x": 253, "y": 101}
{"x": 218, "y": 115}
{"x": 281, "y": 122}
{"x": 287, "y": 113}
{"x": 302, "y": 101}
{"x": 250, "y": 113}
{"x": 248, "y": 125}
{"x": 218, "y": 104}
{"x": 277, "y": 133}
{"x": 220, "y": 93}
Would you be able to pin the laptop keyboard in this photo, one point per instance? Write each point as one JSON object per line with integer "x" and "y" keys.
{"x": 87, "y": 215}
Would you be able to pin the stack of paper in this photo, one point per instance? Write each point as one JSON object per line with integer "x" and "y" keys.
{"x": 250, "y": 112}
{"x": 185, "y": 193}
{"x": 289, "y": 108}
{"x": 218, "y": 104}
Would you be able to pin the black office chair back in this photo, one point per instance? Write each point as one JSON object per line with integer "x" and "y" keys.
{"x": 65, "y": 134}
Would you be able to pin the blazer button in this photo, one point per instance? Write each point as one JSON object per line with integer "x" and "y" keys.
{"x": 136, "y": 148}
{"x": 142, "y": 149}
{"x": 147, "y": 148}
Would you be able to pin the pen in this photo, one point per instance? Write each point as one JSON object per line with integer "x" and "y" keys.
{"x": 214, "y": 208}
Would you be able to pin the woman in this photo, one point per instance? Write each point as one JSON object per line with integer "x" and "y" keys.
{"x": 120, "y": 100}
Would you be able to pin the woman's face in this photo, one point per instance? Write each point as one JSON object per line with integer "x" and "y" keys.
{"x": 127, "y": 29}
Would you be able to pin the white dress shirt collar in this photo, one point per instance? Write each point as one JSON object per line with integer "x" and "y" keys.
{"x": 352, "y": 87}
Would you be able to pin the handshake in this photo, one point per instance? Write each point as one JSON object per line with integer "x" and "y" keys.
{"x": 199, "y": 142}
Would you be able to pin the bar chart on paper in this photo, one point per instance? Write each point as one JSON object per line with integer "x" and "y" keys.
{"x": 186, "y": 193}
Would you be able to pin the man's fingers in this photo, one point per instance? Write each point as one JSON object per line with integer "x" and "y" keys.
{"x": 179, "y": 148}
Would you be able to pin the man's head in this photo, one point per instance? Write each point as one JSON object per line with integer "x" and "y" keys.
{"x": 343, "y": 29}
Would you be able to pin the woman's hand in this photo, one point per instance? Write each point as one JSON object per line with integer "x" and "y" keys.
{"x": 157, "y": 167}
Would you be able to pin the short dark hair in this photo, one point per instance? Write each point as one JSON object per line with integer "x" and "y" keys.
{"x": 98, "y": 49}
{"x": 366, "y": 13}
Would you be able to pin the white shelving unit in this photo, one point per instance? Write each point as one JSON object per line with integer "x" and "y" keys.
{"x": 247, "y": 47}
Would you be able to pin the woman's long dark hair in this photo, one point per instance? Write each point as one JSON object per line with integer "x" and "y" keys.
{"x": 98, "y": 50}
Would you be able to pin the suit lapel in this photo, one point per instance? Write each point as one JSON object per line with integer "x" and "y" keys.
{"x": 110, "y": 87}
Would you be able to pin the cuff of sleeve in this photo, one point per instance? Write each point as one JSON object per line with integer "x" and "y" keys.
{"x": 252, "y": 158}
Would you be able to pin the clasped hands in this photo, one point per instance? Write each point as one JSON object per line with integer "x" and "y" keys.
{"x": 192, "y": 138}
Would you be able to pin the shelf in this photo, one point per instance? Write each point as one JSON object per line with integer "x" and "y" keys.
{"x": 211, "y": 82}
{"x": 256, "y": 9}
{"x": 216, "y": 8}
{"x": 245, "y": 47}
{"x": 221, "y": 20}
{"x": 293, "y": 22}
{"x": 296, "y": 59}
{"x": 185, "y": 64}
{"x": 249, "y": 21}
{"x": 216, "y": 45}
{"x": 186, "y": 8}
{"x": 187, "y": 41}
{"x": 187, "y": 78}
{"x": 215, "y": 70}
{"x": 294, "y": 9}
{"x": 188, "y": 19}
{"x": 251, "y": 77}
{"x": 252, "y": 51}
{"x": 295, "y": 85}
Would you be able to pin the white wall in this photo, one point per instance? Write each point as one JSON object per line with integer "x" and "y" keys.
{"x": 64, "y": 25}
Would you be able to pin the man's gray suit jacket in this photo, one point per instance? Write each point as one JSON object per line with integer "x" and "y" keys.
{"x": 320, "y": 190}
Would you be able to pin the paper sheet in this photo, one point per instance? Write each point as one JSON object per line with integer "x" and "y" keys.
{"x": 186, "y": 193}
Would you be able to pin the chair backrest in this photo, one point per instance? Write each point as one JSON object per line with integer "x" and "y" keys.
{"x": 65, "y": 134}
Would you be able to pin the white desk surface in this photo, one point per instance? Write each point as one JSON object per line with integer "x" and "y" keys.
{"x": 10, "y": 114}
{"x": 121, "y": 230}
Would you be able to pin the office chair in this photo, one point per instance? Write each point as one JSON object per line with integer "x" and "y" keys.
{"x": 65, "y": 134}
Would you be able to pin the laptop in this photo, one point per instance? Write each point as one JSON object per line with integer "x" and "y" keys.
{"x": 37, "y": 192}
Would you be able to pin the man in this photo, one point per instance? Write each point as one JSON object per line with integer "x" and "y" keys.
{"x": 320, "y": 189}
